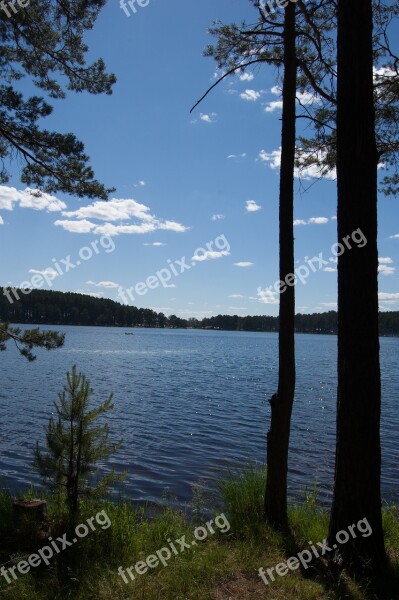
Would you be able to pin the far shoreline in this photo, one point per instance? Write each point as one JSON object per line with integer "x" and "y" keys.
{"x": 299, "y": 332}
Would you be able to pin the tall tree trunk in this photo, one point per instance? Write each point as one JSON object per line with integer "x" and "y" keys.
{"x": 358, "y": 457}
{"x": 281, "y": 403}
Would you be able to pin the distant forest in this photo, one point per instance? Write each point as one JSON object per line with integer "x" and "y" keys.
{"x": 67, "y": 308}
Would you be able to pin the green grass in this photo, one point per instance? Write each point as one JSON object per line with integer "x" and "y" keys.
{"x": 222, "y": 567}
{"x": 242, "y": 493}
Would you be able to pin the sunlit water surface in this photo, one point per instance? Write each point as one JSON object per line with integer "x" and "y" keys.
{"x": 189, "y": 404}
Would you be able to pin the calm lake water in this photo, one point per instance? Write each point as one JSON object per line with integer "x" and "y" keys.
{"x": 190, "y": 404}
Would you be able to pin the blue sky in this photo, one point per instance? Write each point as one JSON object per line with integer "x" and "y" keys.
{"x": 185, "y": 181}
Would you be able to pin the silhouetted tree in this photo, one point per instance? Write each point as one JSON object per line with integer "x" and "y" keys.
{"x": 281, "y": 403}
{"x": 28, "y": 339}
{"x": 273, "y": 41}
{"x": 358, "y": 458}
{"x": 44, "y": 42}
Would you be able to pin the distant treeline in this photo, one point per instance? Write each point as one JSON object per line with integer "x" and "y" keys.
{"x": 67, "y": 308}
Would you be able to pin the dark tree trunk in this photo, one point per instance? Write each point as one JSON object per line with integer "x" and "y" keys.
{"x": 358, "y": 457}
{"x": 281, "y": 403}
{"x": 32, "y": 512}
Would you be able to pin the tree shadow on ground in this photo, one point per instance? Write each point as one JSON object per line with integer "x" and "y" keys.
{"x": 339, "y": 583}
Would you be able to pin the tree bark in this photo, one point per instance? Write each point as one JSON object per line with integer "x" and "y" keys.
{"x": 281, "y": 403}
{"x": 358, "y": 456}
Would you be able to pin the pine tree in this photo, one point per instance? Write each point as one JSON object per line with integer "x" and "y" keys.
{"x": 26, "y": 340}
{"x": 282, "y": 402}
{"x": 44, "y": 44}
{"x": 239, "y": 47}
{"x": 357, "y": 492}
{"x": 291, "y": 40}
{"x": 75, "y": 444}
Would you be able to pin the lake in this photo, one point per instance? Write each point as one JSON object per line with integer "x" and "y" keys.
{"x": 190, "y": 404}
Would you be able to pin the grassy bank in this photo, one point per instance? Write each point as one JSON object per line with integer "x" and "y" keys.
{"x": 223, "y": 566}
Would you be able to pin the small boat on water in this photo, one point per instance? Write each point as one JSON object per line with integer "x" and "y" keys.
{"x": 126, "y": 333}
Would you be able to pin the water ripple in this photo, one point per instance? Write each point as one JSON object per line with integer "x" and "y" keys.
{"x": 190, "y": 404}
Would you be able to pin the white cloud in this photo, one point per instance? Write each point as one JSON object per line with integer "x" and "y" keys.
{"x": 274, "y": 105}
{"x": 75, "y": 226}
{"x": 236, "y": 296}
{"x": 251, "y": 206}
{"x": 1, "y": 221}
{"x": 383, "y": 267}
{"x": 382, "y": 77}
{"x": 394, "y": 236}
{"x": 154, "y": 244}
{"x": 29, "y": 198}
{"x": 272, "y": 158}
{"x": 385, "y": 270}
{"x": 140, "y": 183}
{"x": 242, "y": 155}
{"x": 388, "y": 296}
{"x": 314, "y": 171}
{"x": 246, "y": 76}
{"x": 104, "y": 284}
{"x": 330, "y": 270}
{"x": 111, "y": 229}
{"x": 217, "y": 217}
{"x": 209, "y": 256}
{"x": 49, "y": 273}
{"x": 172, "y": 226}
{"x": 318, "y": 221}
{"x": 208, "y": 118}
{"x": 267, "y": 296}
{"x": 312, "y": 221}
{"x": 384, "y": 72}
{"x": 170, "y": 285}
{"x": 304, "y": 98}
{"x": 113, "y": 210}
{"x": 307, "y": 98}
{"x": 250, "y": 95}
{"x": 122, "y": 210}
{"x": 317, "y": 170}
{"x": 238, "y": 308}
{"x": 243, "y": 264}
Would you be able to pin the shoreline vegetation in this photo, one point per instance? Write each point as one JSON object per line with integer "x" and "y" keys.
{"x": 225, "y": 565}
{"x": 42, "y": 307}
